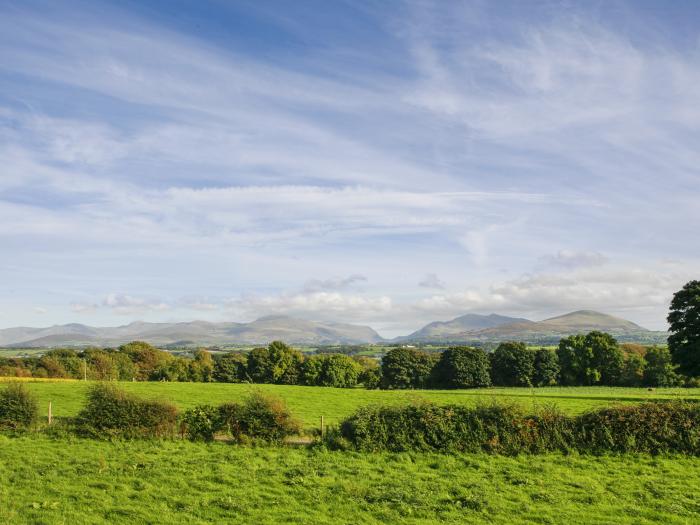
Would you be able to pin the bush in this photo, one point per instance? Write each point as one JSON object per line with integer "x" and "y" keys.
{"x": 652, "y": 427}
{"x": 111, "y": 412}
{"x": 19, "y": 409}
{"x": 493, "y": 428}
{"x": 200, "y": 423}
{"x": 261, "y": 417}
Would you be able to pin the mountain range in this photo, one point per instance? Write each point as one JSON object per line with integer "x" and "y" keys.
{"x": 469, "y": 328}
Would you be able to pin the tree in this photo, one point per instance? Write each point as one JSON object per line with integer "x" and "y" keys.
{"x": 202, "y": 367}
{"x": 546, "y": 367}
{"x": 278, "y": 364}
{"x": 575, "y": 362}
{"x": 684, "y": 321}
{"x": 230, "y": 368}
{"x": 148, "y": 360}
{"x": 591, "y": 359}
{"x": 633, "y": 370}
{"x": 334, "y": 370}
{"x": 512, "y": 364}
{"x": 660, "y": 370}
{"x": 608, "y": 359}
{"x": 463, "y": 367}
{"x": 407, "y": 368}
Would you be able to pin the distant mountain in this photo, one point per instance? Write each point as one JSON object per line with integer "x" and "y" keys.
{"x": 261, "y": 331}
{"x": 440, "y": 330}
{"x": 553, "y": 329}
{"x": 470, "y": 328}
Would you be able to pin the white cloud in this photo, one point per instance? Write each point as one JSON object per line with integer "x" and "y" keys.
{"x": 575, "y": 259}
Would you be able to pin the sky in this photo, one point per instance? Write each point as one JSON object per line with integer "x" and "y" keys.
{"x": 387, "y": 163}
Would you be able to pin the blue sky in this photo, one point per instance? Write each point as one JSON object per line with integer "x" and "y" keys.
{"x": 384, "y": 163}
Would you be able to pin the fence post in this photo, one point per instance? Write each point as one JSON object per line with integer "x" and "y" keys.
{"x": 323, "y": 430}
{"x": 50, "y": 415}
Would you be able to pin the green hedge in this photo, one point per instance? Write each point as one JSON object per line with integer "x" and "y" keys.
{"x": 111, "y": 412}
{"x": 653, "y": 427}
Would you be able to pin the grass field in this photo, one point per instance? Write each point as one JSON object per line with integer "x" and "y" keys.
{"x": 310, "y": 403}
{"x": 80, "y": 481}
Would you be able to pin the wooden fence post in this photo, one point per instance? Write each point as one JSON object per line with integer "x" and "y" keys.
{"x": 50, "y": 415}
{"x": 323, "y": 430}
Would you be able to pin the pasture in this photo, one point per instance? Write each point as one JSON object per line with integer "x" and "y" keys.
{"x": 79, "y": 481}
{"x": 310, "y": 403}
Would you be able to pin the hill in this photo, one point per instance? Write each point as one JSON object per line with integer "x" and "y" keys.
{"x": 260, "y": 331}
{"x": 468, "y": 323}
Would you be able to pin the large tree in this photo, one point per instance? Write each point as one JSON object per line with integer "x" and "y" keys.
{"x": 684, "y": 321}
{"x": 512, "y": 364}
{"x": 463, "y": 367}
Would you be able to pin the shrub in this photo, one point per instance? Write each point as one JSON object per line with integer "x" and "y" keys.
{"x": 463, "y": 367}
{"x": 201, "y": 423}
{"x": 651, "y": 427}
{"x": 493, "y": 428}
{"x": 261, "y": 417}
{"x": 111, "y": 412}
{"x": 19, "y": 409}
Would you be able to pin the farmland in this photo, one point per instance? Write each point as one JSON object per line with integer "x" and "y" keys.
{"x": 81, "y": 481}
{"x": 310, "y": 403}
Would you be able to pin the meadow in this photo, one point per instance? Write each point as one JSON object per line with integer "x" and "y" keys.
{"x": 80, "y": 481}
{"x": 310, "y": 403}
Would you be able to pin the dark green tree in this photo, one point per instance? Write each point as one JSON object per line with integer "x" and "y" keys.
{"x": 633, "y": 370}
{"x": 546, "y": 367}
{"x": 230, "y": 368}
{"x": 463, "y": 367}
{"x": 278, "y": 364}
{"x": 512, "y": 364}
{"x": 406, "y": 368}
{"x": 660, "y": 370}
{"x": 684, "y": 321}
{"x": 608, "y": 359}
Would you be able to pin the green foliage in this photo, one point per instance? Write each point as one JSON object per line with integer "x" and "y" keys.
{"x": 633, "y": 370}
{"x": 492, "y": 428}
{"x": 200, "y": 423}
{"x": 684, "y": 321}
{"x": 404, "y": 368}
{"x": 19, "y": 409}
{"x": 261, "y": 417}
{"x": 654, "y": 427}
{"x": 660, "y": 370}
{"x": 334, "y": 370}
{"x": 278, "y": 364}
{"x": 512, "y": 364}
{"x": 112, "y": 412}
{"x": 591, "y": 359}
{"x": 149, "y": 361}
{"x": 546, "y": 368}
{"x": 230, "y": 368}
{"x": 463, "y": 367}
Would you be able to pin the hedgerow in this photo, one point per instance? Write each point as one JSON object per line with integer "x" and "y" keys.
{"x": 19, "y": 409}
{"x": 651, "y": 427}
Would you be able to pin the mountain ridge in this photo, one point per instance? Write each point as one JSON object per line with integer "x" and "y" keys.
{"x": 467, "y": 328}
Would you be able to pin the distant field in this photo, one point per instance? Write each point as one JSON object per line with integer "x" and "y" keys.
{"x": 310, "y": 403}
{"x": 21, "y": 352}
{"x": 79, "y": 481}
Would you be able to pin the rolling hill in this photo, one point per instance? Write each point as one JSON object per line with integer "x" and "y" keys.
{"x": 260, "y": 331}
{"x": 468, "y": 323}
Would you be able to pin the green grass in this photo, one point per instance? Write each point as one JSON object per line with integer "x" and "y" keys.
{"x": 77, "y": 481}
{"x": 310, "y": 403}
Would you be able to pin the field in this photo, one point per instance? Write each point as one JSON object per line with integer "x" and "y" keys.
{"x": 310, "y": 403}
{"x": 56, "y": 480}
{"x": 77, "y": 481}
